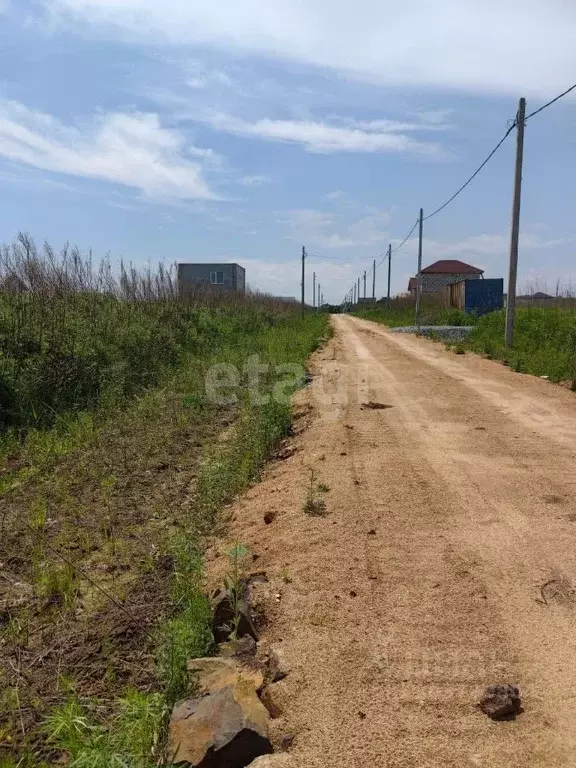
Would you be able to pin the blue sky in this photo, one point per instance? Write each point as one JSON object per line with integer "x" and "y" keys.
{"x": 244, "y": 129}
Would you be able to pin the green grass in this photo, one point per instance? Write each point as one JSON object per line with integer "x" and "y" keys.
{"x": 227, "y": 469}
{"x": 401, "y": 313}
{"x": 94, "y": 478}
{"x": 88, "y": 742}
{"x": 544, "y": 341}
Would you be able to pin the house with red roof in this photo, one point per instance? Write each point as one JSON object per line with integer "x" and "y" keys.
{"x": 444, "y": 272}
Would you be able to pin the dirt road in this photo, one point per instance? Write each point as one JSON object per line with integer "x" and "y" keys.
{"x": 445, "y": 562}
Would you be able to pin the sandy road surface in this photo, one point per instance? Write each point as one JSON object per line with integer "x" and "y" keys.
{"x": 446, "y": 561}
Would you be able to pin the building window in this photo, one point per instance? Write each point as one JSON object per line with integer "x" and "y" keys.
{"x": 217, "y": 278}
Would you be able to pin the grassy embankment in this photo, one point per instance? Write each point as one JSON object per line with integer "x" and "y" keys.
{"x": 112, "y": 472}
{"x": 544, "y": 341}
{"x": 400, "y": 312}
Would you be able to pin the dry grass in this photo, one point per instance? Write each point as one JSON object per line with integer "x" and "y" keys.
{"x": 104, "y": 507}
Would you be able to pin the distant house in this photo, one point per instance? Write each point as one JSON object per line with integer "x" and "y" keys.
{"x": 538, "y": 296}
{"x": 211, "y": 276}
{"x": 444, "y": 272}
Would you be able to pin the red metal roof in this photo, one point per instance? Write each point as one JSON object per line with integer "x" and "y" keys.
{"x": 451, "y": 267}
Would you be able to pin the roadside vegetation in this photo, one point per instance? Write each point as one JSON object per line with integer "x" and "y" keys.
{"x": 544, "y": 341}
{"x": 115, "y": 462}
{"x": 544, "y": 338}
{"x": 400, "y": 312}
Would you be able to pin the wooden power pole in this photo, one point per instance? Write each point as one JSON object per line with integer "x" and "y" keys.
{"x": 419, "y": 275}
{"x": 364, "y": 283}
{"x": 515, "y": 233}
{"x": 389, "y": 271}
{"x": 313, "y": 289}
{"x": 303, "y": 277}
{"x": 374, "y": 280}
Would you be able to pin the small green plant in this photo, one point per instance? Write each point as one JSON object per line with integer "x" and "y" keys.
{"x": 137, "y": 726}
{"x": 38, "y": 515}
{"x": 56, "y": 582}
{"x": 129, "y": 741}
{"x": 235, "y": 585}
{"x": 187, "y": 635}
{"x": 314, "y": 503}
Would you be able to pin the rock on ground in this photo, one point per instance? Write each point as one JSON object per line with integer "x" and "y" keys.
{"x": 226, "y": 611}
{"x": 501, "y": 702}
{"x": 273, "y": 761}
{"x": 278, "y": 665}
{"x": 226, "y": 729}
{"x": 216, "y": 673}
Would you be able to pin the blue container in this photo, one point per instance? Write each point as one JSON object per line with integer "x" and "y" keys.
{"x": 483, "y": 296}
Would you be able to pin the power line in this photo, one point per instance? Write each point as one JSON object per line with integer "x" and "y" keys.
{"x": 408, "y": 236}
{"x": 476, "y": 172}
{"x": 549, "y": 104}
{"x": 444, "y": 205}
{"x": 329, "y": 258}
{"x": 497, "y": 147}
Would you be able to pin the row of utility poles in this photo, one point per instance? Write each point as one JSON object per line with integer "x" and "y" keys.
{"x": 316, "y": 289}
{"x": 353, "y": 294}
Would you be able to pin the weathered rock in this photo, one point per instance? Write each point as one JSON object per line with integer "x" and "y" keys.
{"x": 270, "y": 701}
{"x": 278, "y": 666}
{"x": 286, "y": 741}
{"x": 227, "y": 729}
{"x": 216, "y": 673}
{"x": 244, "y": 649}
{"x": 286, "y": 452}
{"x": 501, "y": 702}
{"x": 225, "y": 611}
{"x": 273, "y": 761}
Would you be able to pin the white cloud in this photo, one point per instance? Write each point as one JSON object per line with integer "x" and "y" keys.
{"x": 497, "y": 245}
{"x": 336, "y": 195}
{"x": 129, "y": 149}
{"x": 199, "y": 76}
{"x": 322, "y": 230}
{"x": 394, "y": 126}
{"x": 323, "y": 137}
{"x": 513, "y": 47}
{"x": 434, "y": 117}
{"x": 255, "y": 181}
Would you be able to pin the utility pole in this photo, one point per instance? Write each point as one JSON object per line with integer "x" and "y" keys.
{"x": 419, "y": 275}
{"x": 303, "y": 277}
{"x": 389, "y": 272}
{"x": 313, "y": 289}
{"x": 358, "y": 294}
{"x": 374, "y": 280}
{"x": 322, "y": 300}
{"x": 319, "y": 305}
{"x": 515, "y": 233}
{"x": 364, "y": 283}
{"x": 354, "y": 300}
